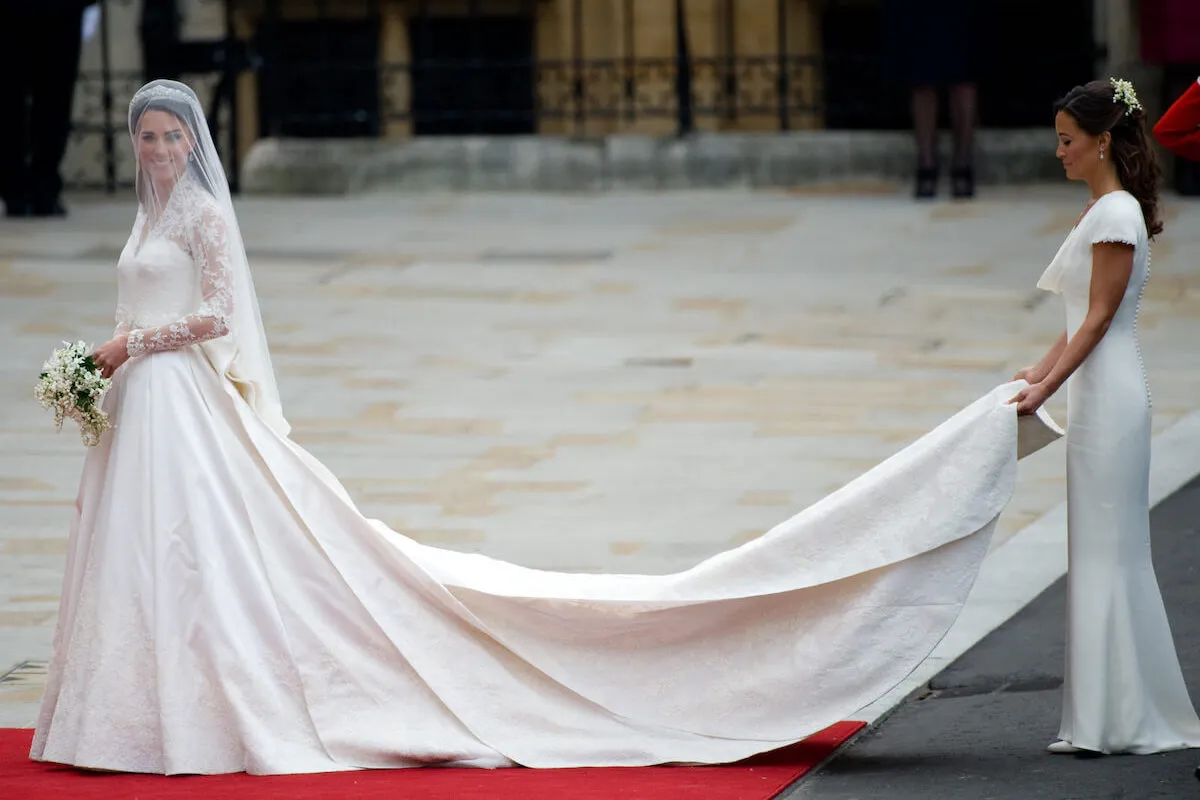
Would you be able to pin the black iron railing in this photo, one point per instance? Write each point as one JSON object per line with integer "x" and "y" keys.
{"x": 479, "y": 67}
{"x": 474, "y": 70}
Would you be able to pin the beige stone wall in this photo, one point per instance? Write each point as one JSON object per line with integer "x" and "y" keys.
{"x": 717, "y": 31}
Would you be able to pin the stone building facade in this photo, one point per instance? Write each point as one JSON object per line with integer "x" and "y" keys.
{"x": 582, "y": 69}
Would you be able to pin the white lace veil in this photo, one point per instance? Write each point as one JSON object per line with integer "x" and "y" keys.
{"x": 242, "y": 356}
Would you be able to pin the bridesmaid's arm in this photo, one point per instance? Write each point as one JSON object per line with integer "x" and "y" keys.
{"x": 1179, "y": 128}
{"x": 1112, "y": 264}
{"x": 1042, "y": 368}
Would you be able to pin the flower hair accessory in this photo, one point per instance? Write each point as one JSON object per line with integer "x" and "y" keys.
{"x": 1123, "y": 93}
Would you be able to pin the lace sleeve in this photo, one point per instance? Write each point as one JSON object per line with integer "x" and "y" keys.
{"x": 123, "y": 324}
{"x": 210, "y": 249}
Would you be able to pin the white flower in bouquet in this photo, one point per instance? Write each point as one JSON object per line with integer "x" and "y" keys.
{"x": 71, "y": 386}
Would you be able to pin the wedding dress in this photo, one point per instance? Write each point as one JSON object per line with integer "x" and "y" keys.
{"x": 1124, "y": 691}
{"x": 227, "y": 608}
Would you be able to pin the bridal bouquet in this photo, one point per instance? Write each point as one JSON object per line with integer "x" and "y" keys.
{"x": 71, "y": 386}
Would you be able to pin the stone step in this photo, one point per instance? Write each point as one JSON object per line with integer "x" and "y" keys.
{"x": 626, "y": 162}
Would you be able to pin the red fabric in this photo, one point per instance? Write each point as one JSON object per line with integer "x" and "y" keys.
{"x": 1179, "y": 128}
{"x": 758, "y": 778}
{"x": 1169, "y": 31}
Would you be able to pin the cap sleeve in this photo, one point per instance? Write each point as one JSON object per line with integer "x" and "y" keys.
{"x": 1119, "y": 220}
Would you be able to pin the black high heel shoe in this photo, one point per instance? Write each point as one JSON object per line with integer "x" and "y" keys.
{"x": 927, "y": 181}
{"x": 962, "y": 182}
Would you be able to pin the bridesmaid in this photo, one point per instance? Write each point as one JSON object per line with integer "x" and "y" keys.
{"x": 1123, "y": 689}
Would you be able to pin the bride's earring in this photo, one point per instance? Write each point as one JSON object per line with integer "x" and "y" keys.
{"x": 1101, "y": 153}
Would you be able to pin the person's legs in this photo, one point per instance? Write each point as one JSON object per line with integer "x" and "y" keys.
{"x": 14, "y": 130}
{"x": 963, "y": 118}
{"x": 924, "y": 114}
{"x": 59, "y": 38}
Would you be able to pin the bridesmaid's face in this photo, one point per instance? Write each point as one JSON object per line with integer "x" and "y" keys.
{"x": 1078, "y": 150}
{"x": 163, "y": 145}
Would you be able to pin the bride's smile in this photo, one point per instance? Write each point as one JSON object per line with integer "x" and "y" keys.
{"x": 163, "y": 147}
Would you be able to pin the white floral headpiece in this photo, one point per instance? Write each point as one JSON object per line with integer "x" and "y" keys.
{"x": 1123, "y": 93}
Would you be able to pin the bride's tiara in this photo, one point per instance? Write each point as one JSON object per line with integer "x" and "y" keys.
{"x": 161, "y": 92}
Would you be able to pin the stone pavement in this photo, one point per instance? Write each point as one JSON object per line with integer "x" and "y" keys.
{"x": 617, "y": 382}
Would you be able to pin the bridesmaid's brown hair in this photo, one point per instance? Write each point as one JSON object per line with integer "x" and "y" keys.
{"x": 1096, "y": 108}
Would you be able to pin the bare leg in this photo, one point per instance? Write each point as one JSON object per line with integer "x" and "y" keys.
{"x": 924, "y": 112}
{"x": 963, "y": 113}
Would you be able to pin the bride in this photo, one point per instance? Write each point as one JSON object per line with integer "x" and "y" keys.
{"x": 227, "y": 608}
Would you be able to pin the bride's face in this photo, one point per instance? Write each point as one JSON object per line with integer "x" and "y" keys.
{"x": 163, "y": 145}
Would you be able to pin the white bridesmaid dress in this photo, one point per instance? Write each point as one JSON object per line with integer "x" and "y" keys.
{"x": 1124, "y": 691}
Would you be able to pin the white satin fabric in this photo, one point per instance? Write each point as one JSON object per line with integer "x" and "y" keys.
{"x": 1124, "y": 691}
{"x": 226, "y": 607}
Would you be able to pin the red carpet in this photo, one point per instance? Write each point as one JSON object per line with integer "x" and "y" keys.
{"x": 759, "y": 778}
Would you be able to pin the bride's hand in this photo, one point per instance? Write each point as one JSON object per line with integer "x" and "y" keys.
{"x": 1030, "y": 399}
{"x": 111, "y": 355}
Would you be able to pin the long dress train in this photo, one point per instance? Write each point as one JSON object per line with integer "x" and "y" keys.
{"x": 226, "y": 607}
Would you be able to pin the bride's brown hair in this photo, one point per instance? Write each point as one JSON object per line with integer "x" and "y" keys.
{"x": 1096, "y": 109}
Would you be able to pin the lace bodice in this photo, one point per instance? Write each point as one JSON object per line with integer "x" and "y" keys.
{"x": 174, "y": 277}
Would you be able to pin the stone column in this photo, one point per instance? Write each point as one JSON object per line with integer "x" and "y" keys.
{"x": 757, "y": 43}
{"x": 395, "y": 86}
{"x": 1118, "y": 27}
